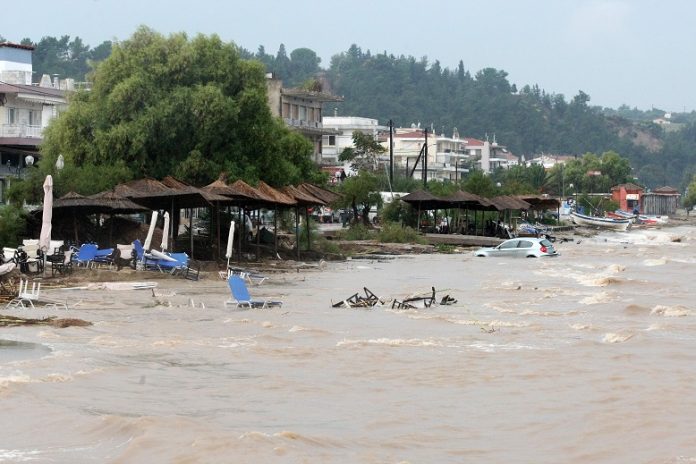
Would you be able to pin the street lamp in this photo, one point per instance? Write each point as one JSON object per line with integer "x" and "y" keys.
{"x": 29, "y": 160}
{"x": 572, "y": 187}
{"x": 60, "y": 163}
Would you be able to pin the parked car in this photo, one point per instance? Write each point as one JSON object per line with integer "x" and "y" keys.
{"x": 522, "y": 247}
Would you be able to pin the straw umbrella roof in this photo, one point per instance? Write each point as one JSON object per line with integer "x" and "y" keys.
{"x": 244, "y": 190}
{"x": 117, "y": 203}
{"x": 504, "y": 202}
{"x": 156, "y": 195}
{"x": 425, "y": 200}
{"x": 302, "y": 198}
{"x": 279, "y": 197}
{"x": 96, "y": 204}
{"x": 72, "y": 199}
{"x": 182, "y": 186}
{"x": 468, "y": 200}
{"x": 540, "y": 202}
{"x": 327, "y": 196}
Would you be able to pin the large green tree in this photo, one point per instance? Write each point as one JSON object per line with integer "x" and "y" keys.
{"x": 173, "y": 105}
{"x": 690, "y": 196}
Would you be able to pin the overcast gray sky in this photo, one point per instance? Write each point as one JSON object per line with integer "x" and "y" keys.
{"x": 637, "y": 52}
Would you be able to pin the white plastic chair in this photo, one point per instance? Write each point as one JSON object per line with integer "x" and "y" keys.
{"x": 25, "y": 296}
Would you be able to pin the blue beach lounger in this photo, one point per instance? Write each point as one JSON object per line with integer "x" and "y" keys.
{"x": 241, "y": 297}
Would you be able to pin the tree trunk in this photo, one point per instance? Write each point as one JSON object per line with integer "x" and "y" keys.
{"x": 366, "y": 214}
{"x": 355, "y": 210}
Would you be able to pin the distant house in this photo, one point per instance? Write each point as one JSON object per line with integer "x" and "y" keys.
{"x": 662, "y": 201}
{"x": 342, "y": 137}
{"x": 448, "y": 156}
{"x": 25, "y": 110}
{"x": 627, "y": 196}
{"x": 301, "y": 110}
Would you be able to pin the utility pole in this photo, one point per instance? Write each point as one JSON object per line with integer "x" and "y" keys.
{"x": 425, "y": 162}
{"x": 391, "y": 152}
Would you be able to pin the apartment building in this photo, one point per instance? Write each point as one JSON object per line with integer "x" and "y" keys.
{"x": 301, "y": 110}
{"x": 26, "y": 110}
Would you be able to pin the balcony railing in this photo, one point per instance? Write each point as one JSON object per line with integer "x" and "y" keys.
{"x": 20, "y": 131}
{"x": 12, "y": 171}
{"x": 303, "y": 123}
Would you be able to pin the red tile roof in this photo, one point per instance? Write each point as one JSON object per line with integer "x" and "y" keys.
{"x": 16, "y": 45}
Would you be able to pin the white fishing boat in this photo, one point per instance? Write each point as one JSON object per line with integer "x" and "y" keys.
{"x": 602, "y": 222}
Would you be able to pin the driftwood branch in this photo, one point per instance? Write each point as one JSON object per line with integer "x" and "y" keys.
{"x": 12, "y": 321}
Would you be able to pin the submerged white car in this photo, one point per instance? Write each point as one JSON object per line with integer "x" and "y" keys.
{"x": 523, "y": 247}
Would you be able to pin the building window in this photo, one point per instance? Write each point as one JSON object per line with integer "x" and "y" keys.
{"x": 303, "y": 113}
{"x": 294, "y": 112}
{"x": 310, "y": 114}
{"x": 332, "y": 141}
{"x": 286, "y": 110}
{"x": 11, "y": 116}
{"x": 34, "y": 118}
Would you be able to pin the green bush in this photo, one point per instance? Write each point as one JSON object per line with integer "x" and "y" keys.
{"x": 392, "y": 232}
{"x": 13, "y": 222}
{"x": 398, "y": 211}
{"x": 358, "y": 231}
{"x": 444, "y": 248}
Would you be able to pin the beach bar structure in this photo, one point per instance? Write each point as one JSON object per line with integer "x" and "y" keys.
{"x": 628, "y": 196}
{"x": 662, "y": 201}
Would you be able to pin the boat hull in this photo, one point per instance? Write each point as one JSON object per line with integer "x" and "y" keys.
{"x": 604, "y": 223}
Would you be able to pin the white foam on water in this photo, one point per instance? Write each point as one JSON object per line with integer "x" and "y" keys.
{"x": 494, "y": 347}
{"x": 7, "y": 455}
{"x": 616, "y": 337}
{"x": 57, "y": 378}
{"x": 655, "y": 262}
{"x": 670, "y": 311}
{"x": 413, "y": 342}
{"x": 581, "y": 326}
{"x": 644, "y": 237}
{"x": 597, "y": 298}
{"x": 653, "y": 327}
{"x": 13, "y": 378}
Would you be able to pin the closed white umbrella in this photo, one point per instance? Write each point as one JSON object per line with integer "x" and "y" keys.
{"x": 230, "y": 241}
{"x": 151, "y": 231}
{"x": 165, "y": 232}
{"x": 45, "y": 237}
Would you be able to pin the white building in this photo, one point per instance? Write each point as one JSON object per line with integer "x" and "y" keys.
{"x": 25, "y": 110}
{"x": 448, "y": 157}
{"x": 344, "y": 126}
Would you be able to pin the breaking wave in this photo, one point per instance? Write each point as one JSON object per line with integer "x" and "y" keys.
{"x": 413, "y": 342}
{"x": 616, "y": 338}
{"x": 670, "y": 311}
{"x": 655, "y": 262}
{"x": 598, "y": 298}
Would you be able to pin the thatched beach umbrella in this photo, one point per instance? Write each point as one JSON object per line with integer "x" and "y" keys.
{"x": 280, "y": 200}
{"x": 306, "y": 200}
{"x": 200, "y": 199}
{"x": 424, "y": 201}
{"x": 108, "y": 202}
{"x": 327, "y": 196}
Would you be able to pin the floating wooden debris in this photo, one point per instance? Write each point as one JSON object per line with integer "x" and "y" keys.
{"x": 413, "y": 301}
{"x": 357, "y": 301}
{"x": 12, "y": 321}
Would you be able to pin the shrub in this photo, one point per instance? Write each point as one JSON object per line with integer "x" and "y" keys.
{"x": 13, "y": 221}
{"x": 392, "y": 232}
{"x": 444, "y": 248}
{"x": 358, "y": 231}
